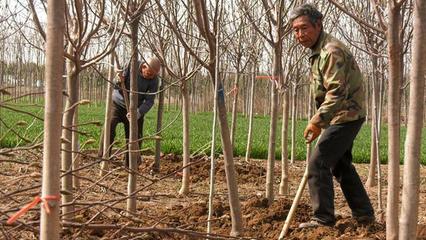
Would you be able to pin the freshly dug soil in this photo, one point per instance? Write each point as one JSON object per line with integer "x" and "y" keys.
{"x": 163, "y": 214}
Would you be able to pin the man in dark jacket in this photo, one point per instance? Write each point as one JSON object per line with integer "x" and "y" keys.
{"x": 147, "y": 88}
{"x": 339, "y": 96}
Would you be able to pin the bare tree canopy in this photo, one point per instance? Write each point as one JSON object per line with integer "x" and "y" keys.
{"x": 63, "y": 152}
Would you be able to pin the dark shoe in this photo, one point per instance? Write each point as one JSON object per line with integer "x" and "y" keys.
{"x": 154, "y": 171}
{"x": 365, "y": 220}
{"x": 314, "y": 223}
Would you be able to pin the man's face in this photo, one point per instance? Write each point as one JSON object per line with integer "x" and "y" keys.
{"x": 148, "y": 72}
{"x": 305, "y": 32}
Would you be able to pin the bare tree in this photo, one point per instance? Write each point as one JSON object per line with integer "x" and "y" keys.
{"x": 255, "y": 50}
{"x": 283, "y": 188}
{"x": 67, "y": 134}
{"x": 105, "y": 139}
{"x": 251, "y": 109}
{"x": 158, "y": 37}
{"x": 79, "y": 36}
{"x": 274, "y": 36}
{"x": 160, "y": 110}
{"x": 213, "y": 141}
{"x": 183, "y": 68}
{"x": 372, "y": 33}
{"x": 411, "y": 182}
{"x": 394, "y": 113}
{"x": 202, "y": 22}
{"x": 394, "y": 37}
{"x": 134, "y": 11}
{"x": 296, "y": 85}
{"x": 293, "y": 75}
{"x": 49, "y": 222}
{"x": 82, "y": 27}
{"x": 239, "y": 51}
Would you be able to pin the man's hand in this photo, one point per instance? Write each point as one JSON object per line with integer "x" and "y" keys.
{"x": 119, "y": 75}
{"x": 138, "y": 115}
{"x": 311, "y": 132}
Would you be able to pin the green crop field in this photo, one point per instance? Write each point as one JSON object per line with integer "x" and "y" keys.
{"x": 30, "y": 129}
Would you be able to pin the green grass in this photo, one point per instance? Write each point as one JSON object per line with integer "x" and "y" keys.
{"x": 200, "y": 133}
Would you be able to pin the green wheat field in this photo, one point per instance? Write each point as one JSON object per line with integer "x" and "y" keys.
{"x": 30, "y": 129}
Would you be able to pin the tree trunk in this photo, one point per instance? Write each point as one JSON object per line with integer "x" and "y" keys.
{"x": 404, "y": 117}
{"x": 212, "y": 151}
{"x": 283, "y": 189}
{"x": 277, "y": 66}
{"x": 374, "y": 151}
{"x": 378, "y": 132}
{"x": 250, "y": 111}
{"x": 212, "y": 39}
{"x": 235, "y": 91}
{"x": 106, "y": 145}
{"x": 134, "y": 153}
{"x": 75, "y": 156}
{"x": 160, "y": 110}
{"x": 169, "y": 98}
{"x": 375, "y": 137}
{"x": 185, "y": 121}
{"x": 395, "y": 75}
{"x": 293, "y": 122}
{"x": 49, "y": 223}
{"x": 231, "y": 180}
{"x": 67, "y": 122}
{"x": 411, "y": 181}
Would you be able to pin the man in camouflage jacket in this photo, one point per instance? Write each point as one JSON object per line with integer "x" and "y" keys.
{"x": 339, "y": 98}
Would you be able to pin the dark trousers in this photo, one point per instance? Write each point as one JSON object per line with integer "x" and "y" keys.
{"x": 119, "y": 116}
{"x": 333, "y": 157}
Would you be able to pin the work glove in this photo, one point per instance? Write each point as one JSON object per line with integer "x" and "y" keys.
{"x": 311, "y": 132}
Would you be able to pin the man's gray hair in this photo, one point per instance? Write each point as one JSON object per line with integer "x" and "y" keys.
{"x": 306, "y": 10}
{"x": 154, "y": 63}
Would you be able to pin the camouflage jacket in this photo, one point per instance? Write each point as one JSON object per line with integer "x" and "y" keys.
{"x": 337, "y": 83}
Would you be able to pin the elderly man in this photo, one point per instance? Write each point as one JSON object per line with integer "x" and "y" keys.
{"x": 147, "y": 87}
{"x": 339, "y": 97}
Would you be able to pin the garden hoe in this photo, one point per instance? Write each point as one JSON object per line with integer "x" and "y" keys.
{"x": 298, "y": 193}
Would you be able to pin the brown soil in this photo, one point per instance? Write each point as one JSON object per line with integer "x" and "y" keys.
{"x": 159, "y": 205}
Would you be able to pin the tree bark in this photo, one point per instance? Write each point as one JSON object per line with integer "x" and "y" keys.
{"x": 106, "y": 145}
{"x": 134, "y": 153}
{"x": 160, "y": 110}
{"x": 231, "y": 179}
{"x": 374, "y": 151}
{"x": 293, "y": 122}
{"x": 411, "y": 181}
{"x": 276, "y": 80}
{"x": 49, "y": 223}
{"x": 235, "y": 91}
{"x": 212, "y": 149}
{"x": 75, "y": 156}
{"x": 250, "y": 111}
{"x": 283, "y": 189}
{"x": 394, "y": 113}
{"x": 203, "y": 23}
{"x": 67, "y": 122}
{"x": 185, "y": 121}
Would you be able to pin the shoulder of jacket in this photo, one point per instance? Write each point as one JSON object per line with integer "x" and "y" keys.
{"x": 333, "y": 47}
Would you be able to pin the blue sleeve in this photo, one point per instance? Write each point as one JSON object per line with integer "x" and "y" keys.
{"x": 149, "y": 98}
{"x": 126, "y": 75}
